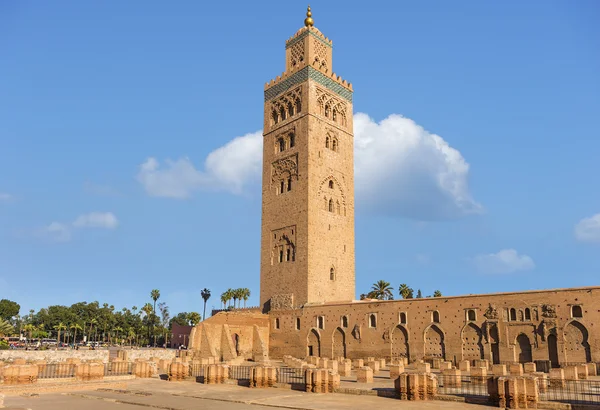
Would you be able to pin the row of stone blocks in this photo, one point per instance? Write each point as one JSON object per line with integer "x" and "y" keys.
{"x": 322, "y": 380}
{"x": 21, "y": 372}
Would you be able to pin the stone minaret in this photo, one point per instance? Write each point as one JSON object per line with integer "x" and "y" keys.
{"x": 307, "y": 238}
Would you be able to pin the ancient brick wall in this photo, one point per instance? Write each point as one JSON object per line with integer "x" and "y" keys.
{"x": 542, "y": 327}
{"x": 54, "y": 356}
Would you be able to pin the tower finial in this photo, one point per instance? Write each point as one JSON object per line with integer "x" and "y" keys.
{"x": 308, "y": 21}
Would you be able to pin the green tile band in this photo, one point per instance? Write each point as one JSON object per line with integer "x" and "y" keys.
{"x": 304, "y": 75}
{"x": 303, "y": 35}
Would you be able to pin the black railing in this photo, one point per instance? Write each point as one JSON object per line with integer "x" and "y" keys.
{"x": 570, "y": 391}
{"x": 240, "y": 372}
{"x": 56, "y": 371}
{"x": 118, "y": 368}
{"x": 464, "y": 385}
{"x": 288, "y": 375}
{"x": 197, "y": 370}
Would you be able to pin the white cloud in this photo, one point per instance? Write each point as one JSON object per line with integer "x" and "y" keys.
{"x": 57, "y": 232}
{"x": 227, "y": 168}
{"x": 5, "y": 197}
{"x": 106, "y": 220}
{"x": 62, "y": 232}
{"x": 400, "y": 169}
{"x": 505, "y": 261}
{"x": 588, "y": 229}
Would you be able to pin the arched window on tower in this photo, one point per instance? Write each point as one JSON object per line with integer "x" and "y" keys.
{"x": 327, "y": 111}
{"x": 327, "y": 142}
{"x": 576, "y": 311}
{"x": 274, "y": 117}
{"x": 280, "y": 255}
{"x": 290, "y": 108}
{"x": 403, "y": 318}
{"x": 331, "y": 183}
{"x": 282, "y": 113}
{"x": 292, "y": 140}
{"x": 287, "y": 254}
{"x": 289, "y": 184}
{"x": 331, "y": 205}
{"x": 281, "y": 144}
{"x": 344, "y": 321}
{"x": 282, "y": 187}
{"x": 332, "y": 274}
{"x": 513, "y": 314}
{"x": 527, "y": 314}
{"x": 298, "y": 106}
{"x": 334, "y": 145}
{"x": 334, "y": 114}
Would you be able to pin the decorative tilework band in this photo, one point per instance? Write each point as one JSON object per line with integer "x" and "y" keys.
{"x": 304, "y": 75}
{"x": 303, "y": 35}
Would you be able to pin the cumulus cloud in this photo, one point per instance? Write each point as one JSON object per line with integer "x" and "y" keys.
{"x": 63, "y": 232}
{"x": 588, "y": 229}
{"x": 505, "y": 261}
{"x": 228, "y": 168}
{"x": 105, "y": 220}
{"x": 400, "y": 169}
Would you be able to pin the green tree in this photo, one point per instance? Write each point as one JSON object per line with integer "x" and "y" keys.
{"x": 58, "y": 328}
{"x": 194, "y": 318}
{"x": 6, "y": 329}
{"x": 75, "y": 327}
{"x": 437, "y": 294}
{"x": 405, "y": 291}
{"x": 245, "y": 295}
{"x": 381, "y": 290}
{"x": 9, "y": 309}
{"x": 205, "y": 293}
{"x": 155, "y": 295}
{"x": 419, "y": 294}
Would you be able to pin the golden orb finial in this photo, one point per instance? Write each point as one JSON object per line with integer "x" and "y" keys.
{"x": 308, "y": 21}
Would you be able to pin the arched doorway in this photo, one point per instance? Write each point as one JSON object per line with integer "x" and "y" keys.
{"x": 399, "y": 341}
{"x": 524, "y": 349}
{"x": 314, "y": 344}
{"x": 339, "y": 344}
{"x": 236, "y": 343}
{"x": 472, "y": 347}
{"x": 577, "y": 346}
{"x": 434, "y": 343}
{"x": 495, "y": 343}
{"x": 553, "y": 351}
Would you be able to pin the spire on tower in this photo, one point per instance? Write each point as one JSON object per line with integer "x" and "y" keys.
{"x": 308, "y": 21}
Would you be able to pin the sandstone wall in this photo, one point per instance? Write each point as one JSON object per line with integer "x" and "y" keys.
{"x": 543, "y": 328}
{"x": 146, "y": 354}
{"x": 54, "y": 356}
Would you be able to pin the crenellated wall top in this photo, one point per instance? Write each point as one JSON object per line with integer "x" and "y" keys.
{"x": 308, "y": 31}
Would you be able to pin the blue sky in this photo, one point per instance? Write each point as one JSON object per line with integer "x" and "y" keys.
{"x": 130, "y": 144}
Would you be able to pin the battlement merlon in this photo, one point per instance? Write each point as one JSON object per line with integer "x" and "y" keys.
{"x": 308, "y": 31}
{"x": 305, "y": 72}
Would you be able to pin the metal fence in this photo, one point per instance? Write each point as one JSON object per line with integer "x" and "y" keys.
{"x": 464, "y": 386}
{"x": 240, "y": 372}
{"x": 118, "y": 368}
{"x": 197, "y": 370}
{"x": 289, "y": 375}
{"x": 570, "y": 391}
{"x": 56, "y": 371}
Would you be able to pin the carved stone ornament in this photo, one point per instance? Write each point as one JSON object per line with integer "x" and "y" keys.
{"x": 548, "y": 311}
{"x": 282, "y": 302}
{"x": 285, "y": 166}
{"x": 356, "y": 332}
{"x": 491, "y": 312}
{"x": 386, "y": 335}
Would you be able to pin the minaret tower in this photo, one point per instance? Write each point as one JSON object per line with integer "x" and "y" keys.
{"x": 307, "y": 236}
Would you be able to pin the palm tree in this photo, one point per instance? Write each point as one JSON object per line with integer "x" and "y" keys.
{"x": 93, "y": 322}
{"x": 155, "y": 295}
{"x": 224, "y": 299}
{"x": 232, "y": 295}
{"x": 194, "y": 318}
{"x": 405, "y": 291}
{"x": 118, "y": 329}
{"x": 75, "y": 326}
{"x": 5, "y": 328}
{"x": 419, "y": 294}
{"x": 245, "y": 295}
{"x": 205, "y": 293}
{"x": 59, "y": 327}
{"x": 382, "y": 290}
{"x": 29, "y": 328}
{"x": 147, "y": 309}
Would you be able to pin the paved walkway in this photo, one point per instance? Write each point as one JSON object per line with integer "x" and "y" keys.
{"x": 159, "y": 394}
